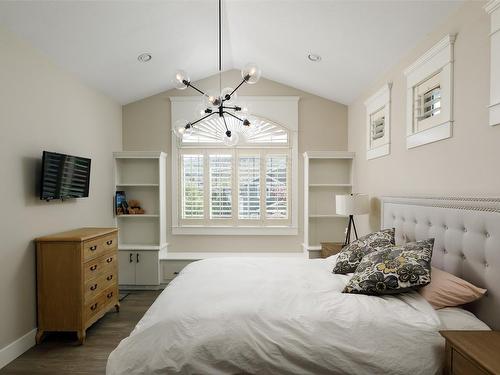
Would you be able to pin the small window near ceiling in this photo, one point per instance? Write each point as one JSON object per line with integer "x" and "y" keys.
{"x": 427, "y": 106}
{"x": 377, "y": 124}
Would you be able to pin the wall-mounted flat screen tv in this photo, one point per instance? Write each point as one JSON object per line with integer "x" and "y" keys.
{"x": 64, "y": 176}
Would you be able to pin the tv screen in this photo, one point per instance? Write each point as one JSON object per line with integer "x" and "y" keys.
{"x": 64, "y": 176}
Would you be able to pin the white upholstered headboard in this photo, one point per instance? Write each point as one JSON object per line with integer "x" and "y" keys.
{"x": 467, "y": 240}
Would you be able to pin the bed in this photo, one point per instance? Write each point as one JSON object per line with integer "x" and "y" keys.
{"x": 288, "y": 316}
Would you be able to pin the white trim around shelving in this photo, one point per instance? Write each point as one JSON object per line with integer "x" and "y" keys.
{"x": 138, "y": 216}
{"x": 139, "y": 154}
{"x": 329, "y": 185}
{"x": 328, "y": 216}
{"x": 329, "y": 154}
{"x": 13, "y": 350}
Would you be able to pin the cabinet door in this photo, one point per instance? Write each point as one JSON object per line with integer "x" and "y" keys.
{"x": 147, "y": 268}
{"x": 126, "y": 268}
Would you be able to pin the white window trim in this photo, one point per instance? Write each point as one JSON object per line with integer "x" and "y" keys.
{"x": 493, "y": 9}
{"x": 437, "y": 59}
{"x": 380, "y": 100}
{"x": 282, "y": 110}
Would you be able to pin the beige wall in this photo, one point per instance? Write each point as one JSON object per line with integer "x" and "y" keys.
{"x": 322, "y": 126}
{"x": 466, "y": 164}
{"x": 44, "y": 108}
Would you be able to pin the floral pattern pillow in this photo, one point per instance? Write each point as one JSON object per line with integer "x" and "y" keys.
{"x": 395, "y": 269}
{"x": 350, "y": 256}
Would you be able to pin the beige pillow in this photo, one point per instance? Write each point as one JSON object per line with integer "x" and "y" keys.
{"x": 447, "y": 290}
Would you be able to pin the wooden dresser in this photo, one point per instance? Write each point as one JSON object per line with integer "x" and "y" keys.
{"x": 77, "y": 279}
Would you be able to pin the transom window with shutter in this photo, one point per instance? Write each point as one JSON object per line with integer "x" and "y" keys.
{"x": 427, "y": 106}
{"x": 244, "y": 186}
{"x": 378, "y": 113}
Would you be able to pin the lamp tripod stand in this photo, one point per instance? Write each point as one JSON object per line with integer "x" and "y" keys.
{"x": 348, "y": 232}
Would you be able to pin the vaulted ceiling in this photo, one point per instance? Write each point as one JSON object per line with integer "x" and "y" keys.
{"x": 100, "y": 40}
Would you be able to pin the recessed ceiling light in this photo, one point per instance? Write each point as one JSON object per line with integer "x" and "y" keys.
{"x": 313, "y": 57}
{"x": 144, "y": 57}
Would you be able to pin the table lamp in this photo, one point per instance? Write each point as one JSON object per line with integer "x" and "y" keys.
{"x": 352, "y": 204}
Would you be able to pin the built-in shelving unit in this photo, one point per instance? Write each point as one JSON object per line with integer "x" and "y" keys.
{"x": 326, "y": 174}
{"x": 142, "y": 238}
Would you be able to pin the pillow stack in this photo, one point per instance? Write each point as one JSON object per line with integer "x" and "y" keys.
{"x": 380, "y": 267}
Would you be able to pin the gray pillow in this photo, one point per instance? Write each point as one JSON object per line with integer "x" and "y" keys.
{"x": 392, "y": 270}
{"x": 350, "y": 256}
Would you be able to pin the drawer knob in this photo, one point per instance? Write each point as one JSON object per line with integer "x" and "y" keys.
{"x": 109, "y": 260}
{"x": 94, "y": 267}
{"x": 93, "y": 287}
{"x": 93, "y": 307}
{"x": 109, "y": 242}
{"x": 109, "y": 277}
{"x": 93, "y": 248}
{"x": 109, "y": 295}
{"x": 176, "y": 273}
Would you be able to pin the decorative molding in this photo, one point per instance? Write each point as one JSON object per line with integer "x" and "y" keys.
{"x": 437, "y": 133}
{"x": 16, "y": 348}
{"x": 459, "y": 203}
{"x": 493, "y": 9}
{"x": 438, "y": 59}
{"x": 443, "y": 44}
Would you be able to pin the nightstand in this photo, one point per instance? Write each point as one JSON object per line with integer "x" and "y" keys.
{"x": 330, "y": 248}
{"x": 472, "y": 352}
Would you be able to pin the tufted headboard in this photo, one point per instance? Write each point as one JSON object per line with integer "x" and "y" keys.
{"x": 467, "y": 240}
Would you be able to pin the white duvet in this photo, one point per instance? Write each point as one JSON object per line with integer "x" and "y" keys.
{"x": 278, "y": 316}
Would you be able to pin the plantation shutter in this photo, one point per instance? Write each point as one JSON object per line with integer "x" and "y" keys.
{"x": 276, "y": 187}
{"x": 192, "y": 183}
{"x": 249, "y": 187}
{"x": 220, "y": 186}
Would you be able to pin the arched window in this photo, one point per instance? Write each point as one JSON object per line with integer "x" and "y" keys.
{"x": 244, "y": 189}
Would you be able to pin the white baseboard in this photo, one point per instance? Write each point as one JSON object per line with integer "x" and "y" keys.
{"x": 16, "y": 348}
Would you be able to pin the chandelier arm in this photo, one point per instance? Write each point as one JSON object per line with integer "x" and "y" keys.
{"x": 230, "y": 114}
{"x": 225, "y": 124}
{"x": 234, "y": 108}
{"x": 237, "y": 87}
{"x": 194, "y": 88}
{"x": 203, "y": 118}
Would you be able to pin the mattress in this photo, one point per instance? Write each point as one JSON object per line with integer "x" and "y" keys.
{"x": 279, "y": 316}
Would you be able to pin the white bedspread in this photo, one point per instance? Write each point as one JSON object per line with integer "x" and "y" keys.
{"x": 278, "y": 316}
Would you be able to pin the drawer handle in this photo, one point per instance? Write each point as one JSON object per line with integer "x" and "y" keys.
{"x": 93, "y": 307}
{"x": 109, "y": 242}
{"x": 94, "y": 267}
{"x": 109, "y": 260}
{"x": 109, "y": 277}
{"x": 130, "y": 258}
{"x": 109, "y": 295}
{"x": 93, "y": 287}
{"x": 93, "y": 248}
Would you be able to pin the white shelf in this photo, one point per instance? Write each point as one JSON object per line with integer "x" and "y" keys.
{"x": 137, "y": 216}
{"x": 329, "y": 185}
{"x": 327, "y": 216}
{"x": 138, "y": 185}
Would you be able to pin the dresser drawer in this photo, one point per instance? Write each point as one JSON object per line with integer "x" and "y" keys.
{"x": 462, "y": 365}
{"x": 95, "y": 286}
{"x": 100, "y": 266}
{"x": 96, "y": 247}
{"x": 104, "y": 299}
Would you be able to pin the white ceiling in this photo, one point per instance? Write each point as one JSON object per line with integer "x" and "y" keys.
{"x": 100, "y": 40}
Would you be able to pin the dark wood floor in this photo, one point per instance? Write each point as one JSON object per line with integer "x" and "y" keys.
{"x": 60, "y": 353}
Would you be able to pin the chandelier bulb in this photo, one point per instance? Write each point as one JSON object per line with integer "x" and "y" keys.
{"x": 181, "y": 80}
{"x": 251, "y": 73}
{"x": 246, "y": 122}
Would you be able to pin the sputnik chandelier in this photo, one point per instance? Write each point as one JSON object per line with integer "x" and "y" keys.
{"x": 219, "y": 103}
